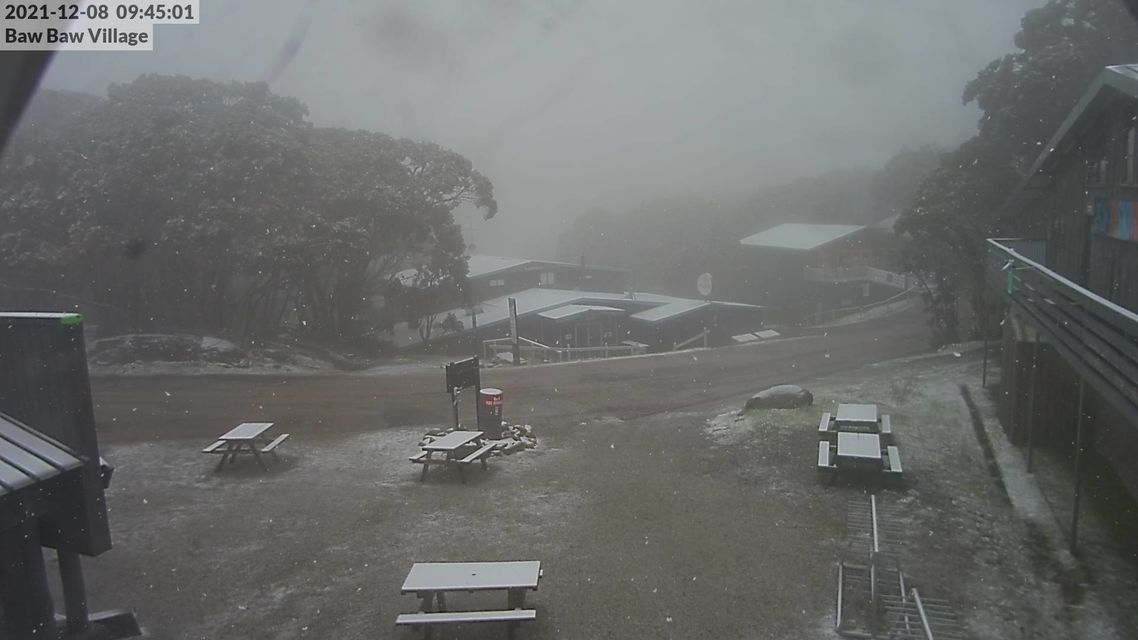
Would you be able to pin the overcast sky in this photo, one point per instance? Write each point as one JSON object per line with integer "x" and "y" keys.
{"x": 572, "y": 104}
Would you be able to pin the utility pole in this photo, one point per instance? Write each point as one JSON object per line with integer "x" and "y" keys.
{"x": 515, "y": 343}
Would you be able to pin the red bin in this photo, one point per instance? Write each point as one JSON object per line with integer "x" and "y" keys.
{"x": 490, "y": 412}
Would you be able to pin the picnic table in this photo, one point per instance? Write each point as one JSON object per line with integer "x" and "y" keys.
{"x": 430, "y": 582}
{"x": 459, "y": 448}
{"x": 857, "y": 418}
{"x": 246, "y": 438}
{"x": 856, "y": 415}
{"x": 859, "y": 449}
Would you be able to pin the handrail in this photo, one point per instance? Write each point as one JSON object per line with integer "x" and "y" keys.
{"x": 924, "y": 617}
{"x": 857, "y": 273}
{"x": 1097, "y": 337}
{"x": 817, "y": 316}
{"x": 535, "y": 351}
{"x": 524, "y": 339}
{"x": 702, "y": 335}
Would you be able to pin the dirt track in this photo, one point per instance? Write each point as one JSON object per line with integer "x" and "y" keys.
{"x": 161, "y": 407}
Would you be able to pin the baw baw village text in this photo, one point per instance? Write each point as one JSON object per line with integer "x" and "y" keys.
{"x": 104, "y": 25}
{"x": 102, "y": 36}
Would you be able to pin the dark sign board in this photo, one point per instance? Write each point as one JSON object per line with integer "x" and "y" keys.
{"x": 462, "y": 374}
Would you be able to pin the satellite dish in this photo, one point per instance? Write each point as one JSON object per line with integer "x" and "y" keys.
{"x": 703, "y": 284}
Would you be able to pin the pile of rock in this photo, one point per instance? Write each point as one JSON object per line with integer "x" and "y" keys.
{"x": 515, "y": 437}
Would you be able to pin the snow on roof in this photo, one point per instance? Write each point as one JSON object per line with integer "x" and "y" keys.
{"x": 570, "y": 310}
{"x": 483, "y": 265}
{"x": 654, "y": 307}
{"x": 800, "y": 237}
{"x": 663, "y": 312}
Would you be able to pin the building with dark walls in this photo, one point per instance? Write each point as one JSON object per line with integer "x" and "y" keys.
{"x": 1070, "y": 359}
{"x": 802, "y": 269}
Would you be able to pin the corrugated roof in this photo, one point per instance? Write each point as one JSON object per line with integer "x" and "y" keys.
{"x": 670, "y": 310}
{"x": 570, "y": 310}
{"x": 800, "y": 237}
{"x": 27, "y": 457}
{"x": 540, "y": 300}
{"x": 482, "y": 265}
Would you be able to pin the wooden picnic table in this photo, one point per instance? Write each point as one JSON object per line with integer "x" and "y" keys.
{"x": 246, "y": 438}
{"x": 430, "y": 581}
{"x": 460, "y": 448}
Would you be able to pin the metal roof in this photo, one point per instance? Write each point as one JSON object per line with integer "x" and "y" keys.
{"x": 539, "y": 300}
{"x": 800, "y": 237}
{"x": 570, "y": 310}
{"x": 1112, "y": 82}
{"x": 27, "y": 457}
{"x": 670, "y": 310}
{"x": 481, "y": 265}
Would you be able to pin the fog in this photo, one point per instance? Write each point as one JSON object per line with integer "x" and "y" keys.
{"x": 572, "y": 104}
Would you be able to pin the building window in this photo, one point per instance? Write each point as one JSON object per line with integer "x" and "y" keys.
{"x": 547, "y": 277}
{"x": 498, "y": 283}
{"x": 1097, "y": 166}
{"x": 1129, "y": 164}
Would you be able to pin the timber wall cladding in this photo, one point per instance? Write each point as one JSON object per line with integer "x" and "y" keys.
{"x": 1056, "y": 409}
{"x": 1056, "y": 396}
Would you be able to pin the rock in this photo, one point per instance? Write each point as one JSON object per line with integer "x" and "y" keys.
{"x": 513, "y": 447}
{"x": 783, "y": 396}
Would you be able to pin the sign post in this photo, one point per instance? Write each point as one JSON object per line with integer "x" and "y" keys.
{"x": 461, "y": 375}
{"x": 517, "y": 351}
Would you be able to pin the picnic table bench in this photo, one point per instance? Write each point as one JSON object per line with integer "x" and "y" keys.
{"x": 430, "y": 581}
{"x": 460, "y": 448}
{"x": 855, "y": 449}
{"x": 858, "y": 418}
{"x": 246, "y": 438}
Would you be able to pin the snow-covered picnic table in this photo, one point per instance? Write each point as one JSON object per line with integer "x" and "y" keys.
{"x": 862, "y": 435}
{"x": 430, "y": 581}
{"x": 856, "y": 415}
{"x": 467, "y": 444}
{"x": 857, "y": 418}
{"x": 246, "y": 438}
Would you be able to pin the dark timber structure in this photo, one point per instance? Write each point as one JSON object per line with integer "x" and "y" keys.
{"x": 1071, "y": 337}
{"x": 51, "y": 479}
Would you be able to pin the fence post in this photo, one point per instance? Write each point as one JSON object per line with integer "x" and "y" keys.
{"x": 1080, "y": 439}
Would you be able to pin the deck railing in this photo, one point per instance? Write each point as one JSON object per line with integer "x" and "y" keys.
{"x": 533, "y": 352}
{"x": 860, "y": 273}
{"x": 1097, "y": 337}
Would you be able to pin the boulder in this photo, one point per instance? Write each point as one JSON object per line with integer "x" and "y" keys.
{"x": 783, "y": 396}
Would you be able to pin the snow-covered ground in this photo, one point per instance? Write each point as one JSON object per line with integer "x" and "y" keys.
{"x": 991, "y": 544}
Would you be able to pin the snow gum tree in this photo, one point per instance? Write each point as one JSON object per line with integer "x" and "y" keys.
{"x": 1023, "y": 97}
{"x": 218, "y": 207}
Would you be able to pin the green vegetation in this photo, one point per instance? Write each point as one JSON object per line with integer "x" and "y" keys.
{"x": 198, "y": 206}
{"x": 1023, "y": 97}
